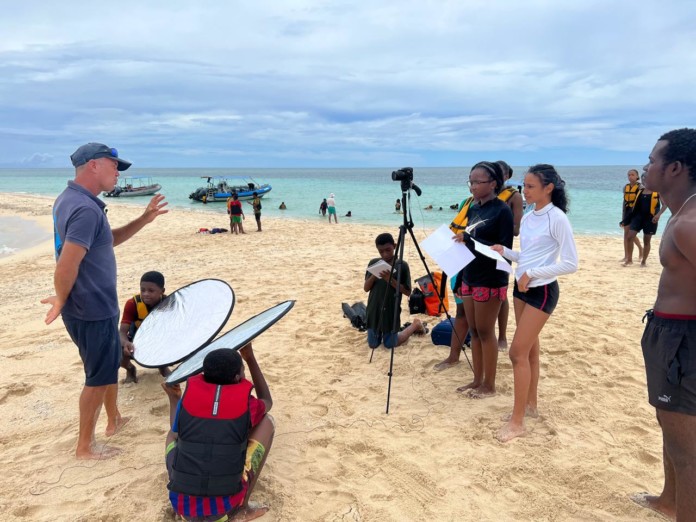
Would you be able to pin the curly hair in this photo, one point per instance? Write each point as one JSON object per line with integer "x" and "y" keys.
{"x": 495, "y": 171}
{"x": 681, "y": 146}
{"x": 547, "y": 174}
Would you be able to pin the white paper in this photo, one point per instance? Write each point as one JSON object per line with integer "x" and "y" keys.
{"x": 487, "y": 251}
{"x": 379, "y": 267}
{"x": 447, "y": 253}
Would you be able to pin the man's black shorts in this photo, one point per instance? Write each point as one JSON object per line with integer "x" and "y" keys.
{"x": 100, "y": 348}
{"x": 669, "y": 350}
{"x": 644, "y": 223}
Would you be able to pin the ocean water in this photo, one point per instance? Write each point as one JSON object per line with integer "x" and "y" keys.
{"x": 595, "y": 193}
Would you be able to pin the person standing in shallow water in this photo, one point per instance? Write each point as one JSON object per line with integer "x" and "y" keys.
{"x": 331, "y": 202}
{"x": 323, "y": 206}
{"x": 547, "y": 250}
{"x": 85, "y": 285}
{"x": 669, "y": 339}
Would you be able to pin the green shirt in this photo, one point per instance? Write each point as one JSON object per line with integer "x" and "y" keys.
{"x": 380, "y": 309}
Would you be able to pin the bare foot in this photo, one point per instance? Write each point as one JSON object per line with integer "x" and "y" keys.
{"x": 623, "y": 260}
{"x": 627, "y": 263}
{"x": 131, "y": 375}
{"x": 444, "y": 365}
{"x": 652, "y": 502}
{"x": 510, "y": 431}
{"x": 502, "y": 345}
{"x": 481, "y": 392}
{"x": 471, "y": 386}
{"x": 97, "y": 452}
{"x": 530, "y": 412}
{"x": 643, "y": 264}
{"x": 249, "y": 513}
{"x": 113, "y": 428}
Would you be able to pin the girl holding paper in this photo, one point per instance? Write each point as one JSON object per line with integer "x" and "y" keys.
{"x": 481, "y": 285}
{"x": 547, "y": 250}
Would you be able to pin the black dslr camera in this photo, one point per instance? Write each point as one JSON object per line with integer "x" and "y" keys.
{"x": 405, "y": 174}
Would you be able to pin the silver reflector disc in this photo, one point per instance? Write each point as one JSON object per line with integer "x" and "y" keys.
{"x": 183, "y": 322}
{"x": 234, "y": 340}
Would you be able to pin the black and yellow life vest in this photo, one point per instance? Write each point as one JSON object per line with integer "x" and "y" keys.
{"x": 142, "y": 310}
{"x": 631, "y": 194}
{"x": 654, "y": 201}
{"x": 460, "y": 221}
{"x": 506, "y": 194}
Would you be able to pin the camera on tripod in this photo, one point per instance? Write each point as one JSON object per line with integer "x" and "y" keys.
{"x": 405, "y": 176}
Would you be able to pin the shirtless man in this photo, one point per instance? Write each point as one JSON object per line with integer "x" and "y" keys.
{"x": 669, "y": 341}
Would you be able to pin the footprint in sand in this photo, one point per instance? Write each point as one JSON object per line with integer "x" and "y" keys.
{"x": 16, "y": 389}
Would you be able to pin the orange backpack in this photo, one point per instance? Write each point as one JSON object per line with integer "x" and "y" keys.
{"x": 430, "y": 291}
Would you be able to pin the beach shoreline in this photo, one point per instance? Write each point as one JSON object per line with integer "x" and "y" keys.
{"x": 336, "y": 454}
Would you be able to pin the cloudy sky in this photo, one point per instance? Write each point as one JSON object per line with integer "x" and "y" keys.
{"x": 385, "y": 83}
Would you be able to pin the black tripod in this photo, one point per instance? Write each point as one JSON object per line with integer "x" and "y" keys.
{"x": 405, "y": 175}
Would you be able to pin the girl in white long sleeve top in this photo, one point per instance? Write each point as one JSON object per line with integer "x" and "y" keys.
{"x": 547, "y": 250}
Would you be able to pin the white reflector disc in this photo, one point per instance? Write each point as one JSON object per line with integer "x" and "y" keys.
{"x": 183, "y": 322}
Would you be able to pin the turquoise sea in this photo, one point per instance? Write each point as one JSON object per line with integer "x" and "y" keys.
{"x": 595, "y": 192}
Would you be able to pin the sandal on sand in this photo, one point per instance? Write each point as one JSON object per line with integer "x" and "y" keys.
{"x": 642, "y": 500}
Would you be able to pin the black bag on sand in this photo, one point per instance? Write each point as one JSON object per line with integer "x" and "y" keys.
{"x": 356, "y": 314}
{"x": 416, "y": 303}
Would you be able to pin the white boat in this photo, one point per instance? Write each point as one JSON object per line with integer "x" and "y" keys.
{"x": 134, "y": 186}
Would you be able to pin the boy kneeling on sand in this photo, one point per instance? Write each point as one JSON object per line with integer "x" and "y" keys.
{"x": 136, "y": 309}
{"x": 219, "y": 439}
{"x": 380, "y": 302}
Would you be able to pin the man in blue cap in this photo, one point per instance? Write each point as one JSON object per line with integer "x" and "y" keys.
{"x": 85, "y": 284}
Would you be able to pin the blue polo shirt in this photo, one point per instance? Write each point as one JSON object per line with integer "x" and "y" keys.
{"x": 79, "y": 217}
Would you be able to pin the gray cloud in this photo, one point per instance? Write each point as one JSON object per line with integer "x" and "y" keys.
{"x": 323, "y": 83}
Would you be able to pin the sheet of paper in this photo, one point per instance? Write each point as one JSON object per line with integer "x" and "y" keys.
{"x": 487, "y": 251}
{"x": 450, "y": 256}
{"x": 379, "y": 267}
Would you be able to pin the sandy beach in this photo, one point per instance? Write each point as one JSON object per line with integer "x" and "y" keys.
{"x": 336, "y": 455}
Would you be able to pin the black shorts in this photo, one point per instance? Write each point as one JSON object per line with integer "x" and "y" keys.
{"x": 258, "y": 216}
{"x": 644, "y": 223}
{"x": 545, "y": 298}
{"x": 100, "y": 348}
{"x": 669, "y": 351}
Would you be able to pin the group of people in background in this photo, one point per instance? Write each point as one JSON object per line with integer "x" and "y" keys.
{"x": 641, "y": 211}
{"x": 236, "y": 212}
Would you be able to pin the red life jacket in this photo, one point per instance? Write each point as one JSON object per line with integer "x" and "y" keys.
{"x": 213, "y": 427}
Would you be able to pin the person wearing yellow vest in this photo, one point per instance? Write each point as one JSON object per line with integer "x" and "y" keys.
{"x": 513, "y": 198}
{"x": 643, "y": 215}
{"x": 630, "y": 193}
{"x": 135, "y": 311}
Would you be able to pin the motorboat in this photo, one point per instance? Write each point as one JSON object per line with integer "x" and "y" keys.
{"x": 221, "y": 188}
{"x": 130, "y": 186}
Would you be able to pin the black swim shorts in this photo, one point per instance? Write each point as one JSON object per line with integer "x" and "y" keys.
{"x": 669, "y": 350}
{"x": 100, "y": 348}
{"x": 644, "y": 223}
{"x": 545, "y": 297}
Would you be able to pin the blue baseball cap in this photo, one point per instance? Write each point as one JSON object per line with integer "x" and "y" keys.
{"x": 92, "y": 151}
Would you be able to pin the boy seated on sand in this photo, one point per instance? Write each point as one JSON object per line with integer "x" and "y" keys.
{"x": 135, "y": 311}
{"x": 380, "y": 302}
{"x": 219, "y": 439}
